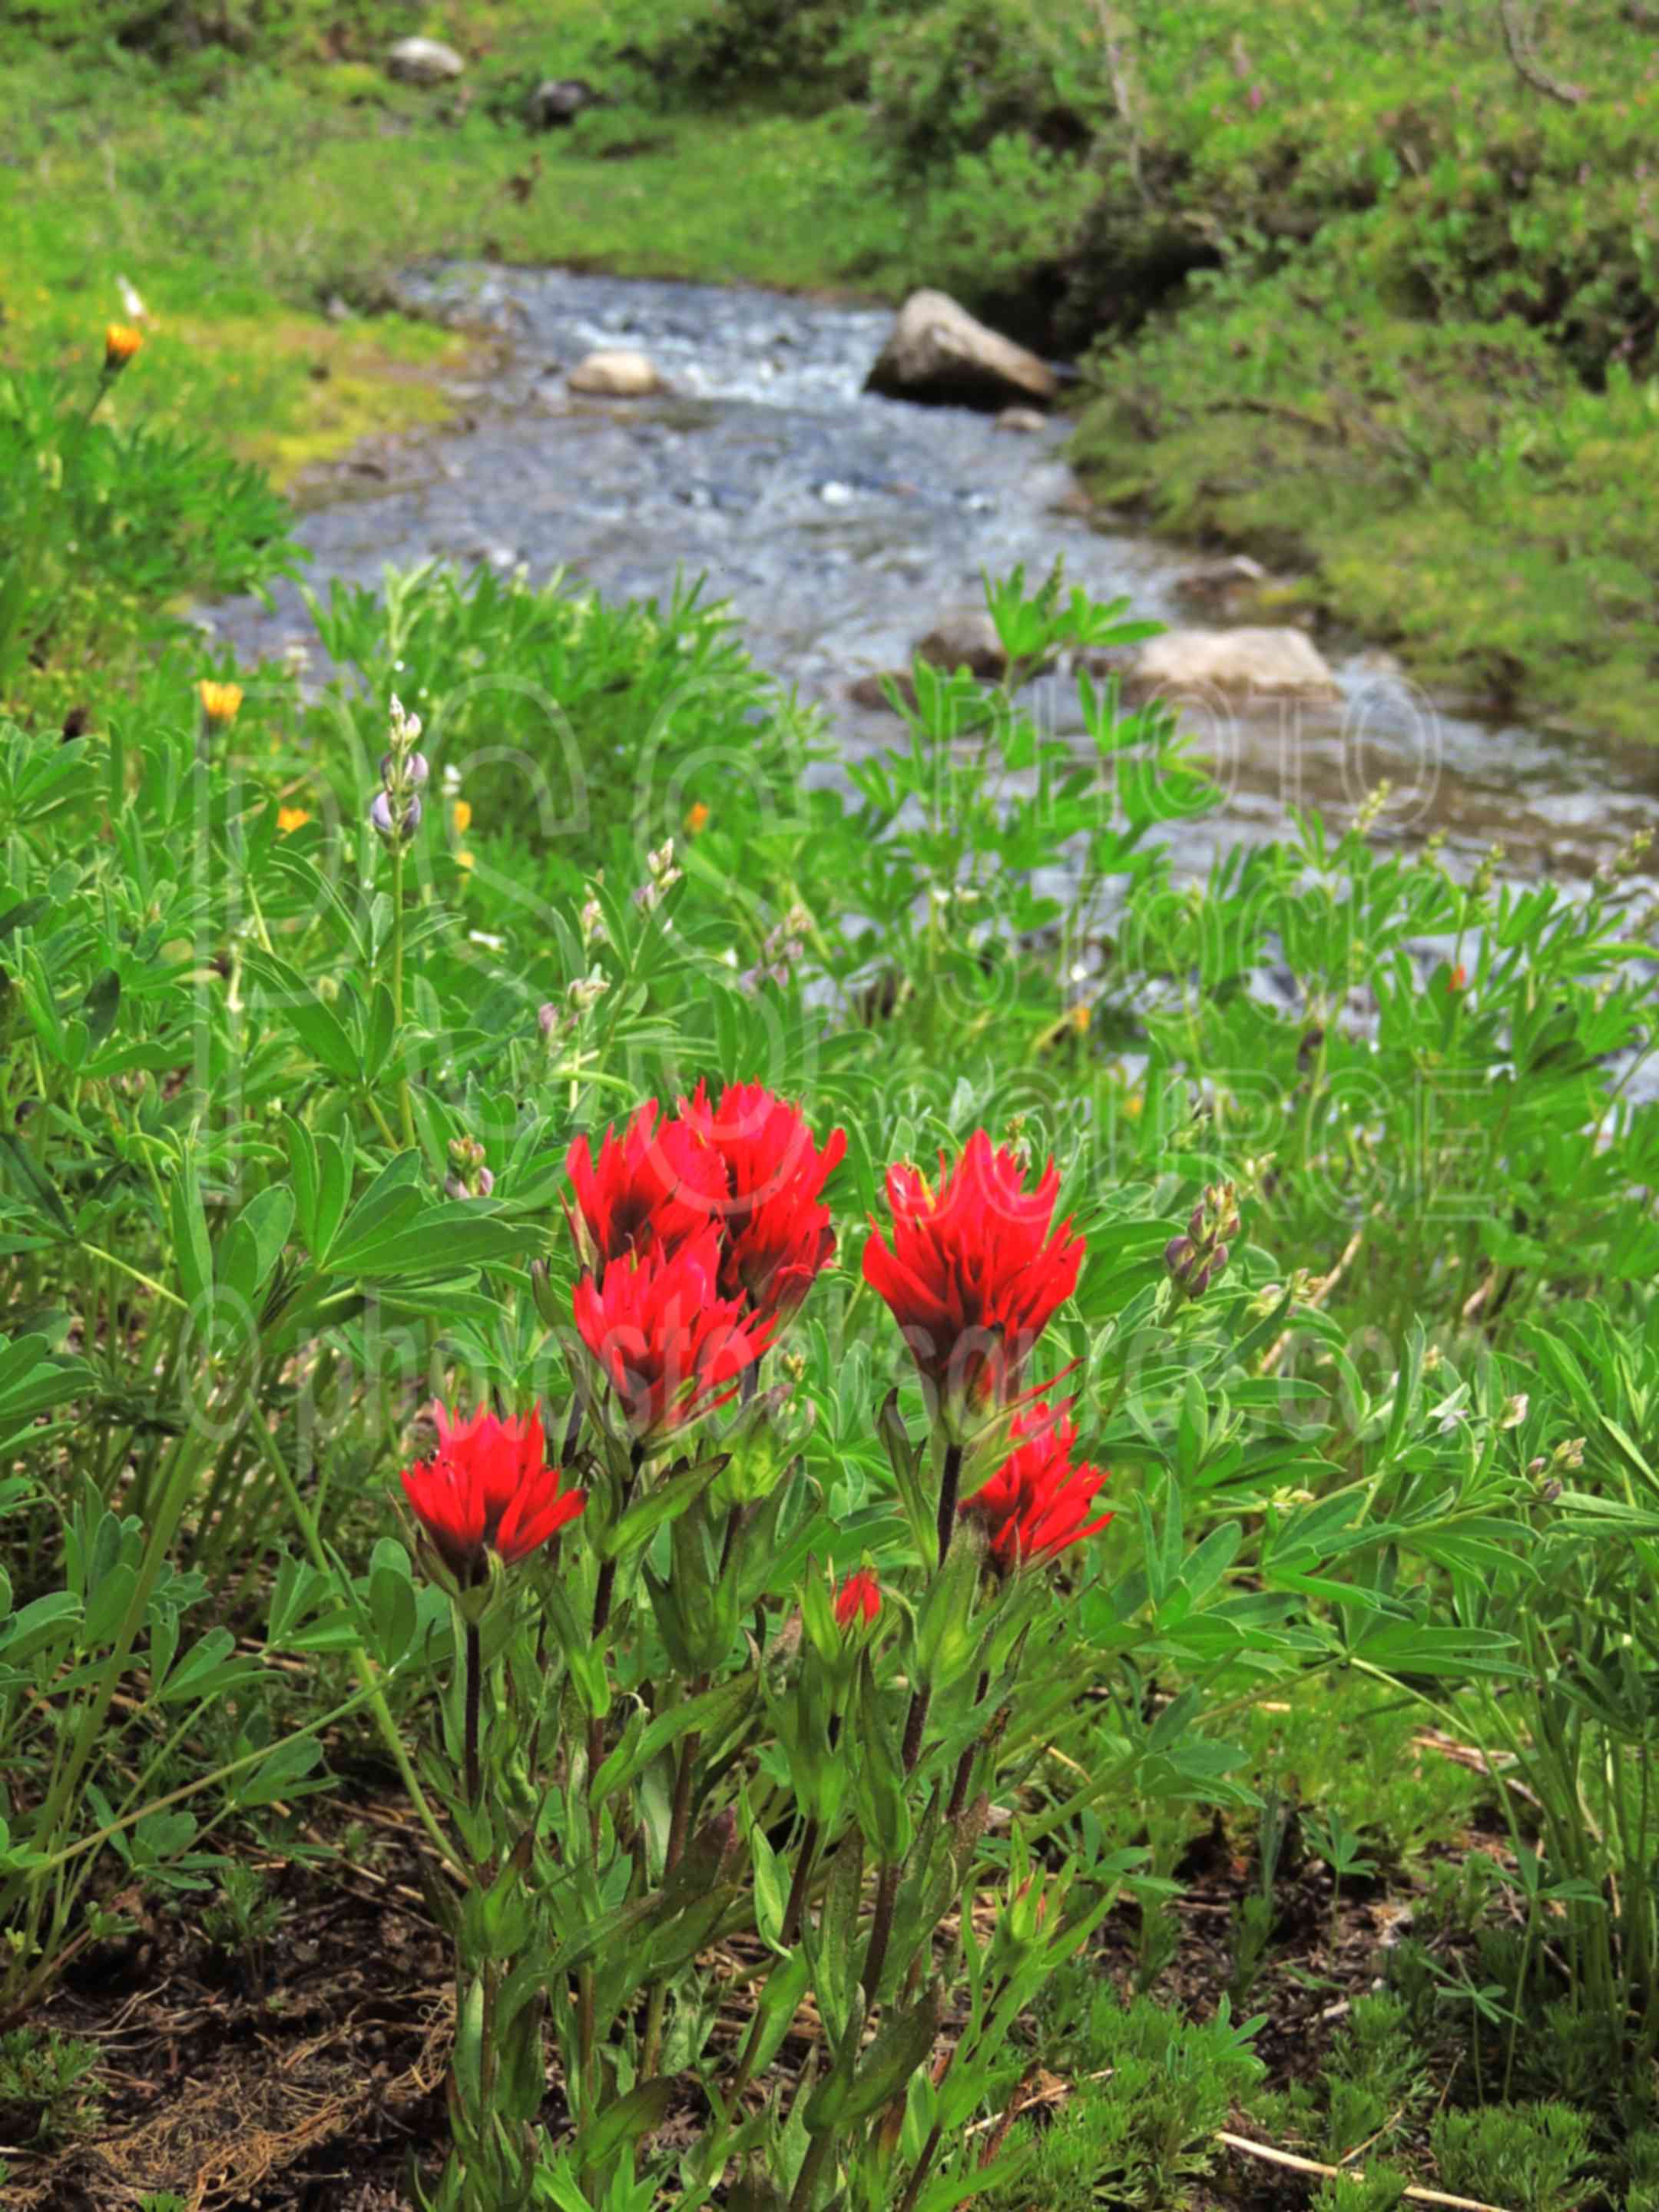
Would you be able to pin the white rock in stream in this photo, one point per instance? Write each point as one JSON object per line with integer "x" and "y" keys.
{"x": 1279, "y": 664}
{"x": 422, "y": 61}
{"x": 938, "y": 352}
{"x": 618, "y": 373}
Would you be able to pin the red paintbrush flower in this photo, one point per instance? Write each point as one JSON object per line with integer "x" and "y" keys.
{"x": 858, "y": 1598}
{"x": 778, "y": 1236}
{"x": 487, "y": 1488}
{"x": 672, "y": 1347}
{"x": 1038, "y": 1503}
{"x": 974, "y": 1274}
{"x": 654, "y": 1185}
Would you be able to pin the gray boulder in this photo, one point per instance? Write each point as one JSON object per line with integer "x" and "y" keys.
{"x": 938, "y": 353}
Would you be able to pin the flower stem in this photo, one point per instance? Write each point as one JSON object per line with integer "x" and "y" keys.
{"x": 406, "y": 1109}
{"x": 812, "y": 2166}
{"x": 965, "y": 1764}
{"x": 881, "y": 1930}
{"x": 949, "y": 1483}
{"x": 474, "y": 1699}
{"x": 679, "y": 1821}
{"x": 797, "y": 1905}
{"x": 915, "y": 1723}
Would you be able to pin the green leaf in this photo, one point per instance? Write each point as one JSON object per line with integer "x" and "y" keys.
{"x": 904, "y": 2043}
{"x": 192, "y": 1251}
{"x": 642, "y": 2109}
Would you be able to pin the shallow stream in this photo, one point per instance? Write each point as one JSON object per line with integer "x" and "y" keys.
{"x": 842, "y": 527}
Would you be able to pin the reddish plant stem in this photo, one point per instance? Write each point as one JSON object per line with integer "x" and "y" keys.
{"x": 949, "y": 1483}
{"x": 965, "y": 1764}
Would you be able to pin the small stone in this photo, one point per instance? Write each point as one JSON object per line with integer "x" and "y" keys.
{"x": 422, "y": 61}
{"x": 967, "y": 639}
{"x": 617, "y": 372}
{"x": 1024, "y": 421}
{"x": 871, "y": 691}
{"x": 558, "y": 100}
{"x": 1260, "y": 663}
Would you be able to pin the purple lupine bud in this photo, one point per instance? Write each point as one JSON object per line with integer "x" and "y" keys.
{"x": 547, "y": 1019}
{"x": 1196, "y": 1224}
{"x": 486, "y": 1182}
{"x": 1178, "y": 1255}
{"x": 1218, "y": 1260}
{"x": 454, "y": 1187}
{"x": 380, "y": 815}
{"x": 416, "y": 770}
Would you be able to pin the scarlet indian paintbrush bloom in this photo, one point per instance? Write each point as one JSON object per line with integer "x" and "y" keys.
{"x": 777, "y": 1232}
{"x": 858, "y": 1598}
{"x": 1036, "y": 1503}
{"x": 974, "y": 1274}
{"x": 654, "y": 1186}
{"x": 672, "y": 1347}
{"x": 487, "y": 1488}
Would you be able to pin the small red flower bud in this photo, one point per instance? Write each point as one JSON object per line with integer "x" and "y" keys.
{"x": 858, "y": 1598}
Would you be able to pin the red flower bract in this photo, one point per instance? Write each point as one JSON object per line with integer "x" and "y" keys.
{"x": 778, "y": 1236}
{"x": 652, "y": 1186}
{"x": 975, "y": 1272}
{"x": 487, "y": 1488}
{"x": 858, "y": 1598}
{"x": 1037, "y": 1502}
{"x": 671, "y": 1346}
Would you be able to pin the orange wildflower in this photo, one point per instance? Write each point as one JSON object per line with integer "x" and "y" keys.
{"x": 121, "y": 342}
{"x": 220, "y": 701}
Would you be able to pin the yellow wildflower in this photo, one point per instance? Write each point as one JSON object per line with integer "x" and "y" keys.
{"x": 463, "y": 859}
{"x": 696, "y": 817}
{"x": 1080, "y": 1018}
{"x": 292, "y": 818}
{"x": 463, "y": 816}
{"x": 220, "y": 701}
{"x": 121, "y": 342}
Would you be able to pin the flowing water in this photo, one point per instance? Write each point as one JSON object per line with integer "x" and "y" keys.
{"x": 841, "y": 527}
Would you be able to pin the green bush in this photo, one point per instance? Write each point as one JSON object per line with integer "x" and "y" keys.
{"x": 1534, "y": 2157}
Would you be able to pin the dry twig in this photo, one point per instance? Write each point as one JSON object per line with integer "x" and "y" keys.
{"x": 1297, "y": 2165}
